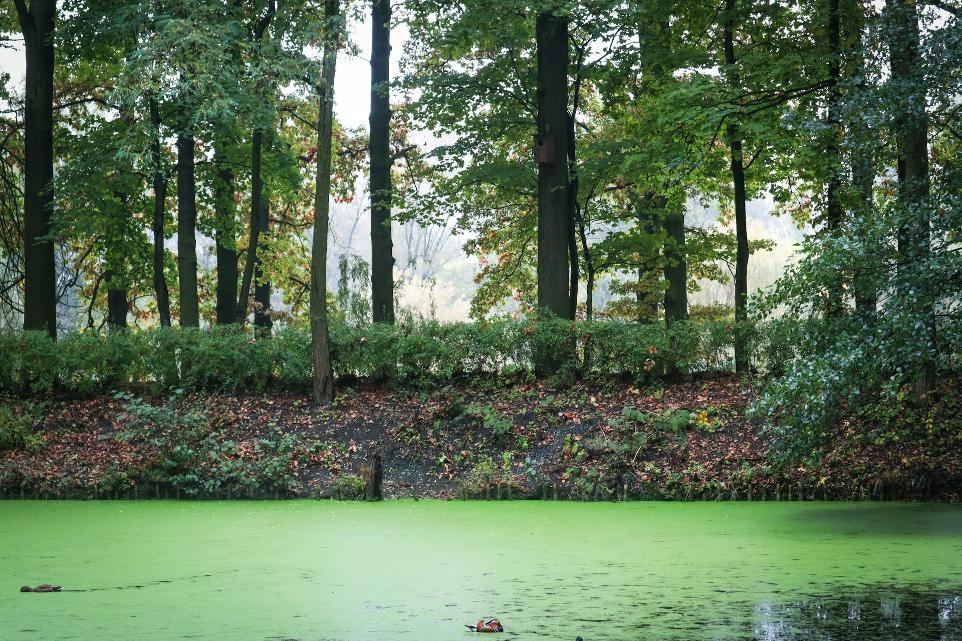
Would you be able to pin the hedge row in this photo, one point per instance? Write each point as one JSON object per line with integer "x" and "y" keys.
{"x": 230, "y": 358}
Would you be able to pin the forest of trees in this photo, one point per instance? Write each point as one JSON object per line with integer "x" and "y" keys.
{"x": 566, "y": 138}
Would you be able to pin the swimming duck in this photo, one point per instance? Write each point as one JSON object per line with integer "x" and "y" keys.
{"x": 43, "y": 587}
{"x": 491, "y": 626}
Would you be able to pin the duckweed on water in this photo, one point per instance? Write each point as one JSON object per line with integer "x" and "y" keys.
{"x": 306, "y": 570}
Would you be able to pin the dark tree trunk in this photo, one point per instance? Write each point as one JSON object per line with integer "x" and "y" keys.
{"x": 654, "y": 41}
{"x": 574, "y": 269}
{"x": 159, "y": 218}
{"x": 226, "y": 239}
{"x": 553, "y": 206}
{"x": 116, "y": 305}
{"x": 382, "y": 247}
{"x": 262, "y": 283}
{"x": 574, "y": 214}
{"x": 833, "y": 195}
{"x": 373, "y": 472}
{"x": 741, "y": 220}
{"x": 911, "y": 123}
{"x": 257, "y": 187}
{"x": 323, "y": 384}
{"x": 589, "y": 287}
{"x": 40, "y": 287}
{"x": 187, "y": 232}
{"x": 554, "y": 219}
{"x": 676, "y": 266}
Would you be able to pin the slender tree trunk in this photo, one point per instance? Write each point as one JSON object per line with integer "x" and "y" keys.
{"x": 741, "y": 219}
{"x": 157, "y": 224}
{"x": 226, "y": 238}
{"x": 574, "y": 186}
{"x": 262, "y": 283}
{"x": 833, "y": 212}
{"x": 861, "y": 158}
{"x": 554, "y": 219}
{"x": 187, "y": 232}
{"x": 911, "y": 124}
{"x": 574, "y": 269}
{"x": 320, "y": 340}
{"x": 40, "y": 279}
{"x": 654, "y": 40}
{"x": 257, "y": 183}
{"x": 382, "y": 247}
{"x": 589, "y": 288}
{"x": 257, "y": 142}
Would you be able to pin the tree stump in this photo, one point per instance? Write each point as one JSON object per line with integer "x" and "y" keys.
{"x": 373, "y": 473}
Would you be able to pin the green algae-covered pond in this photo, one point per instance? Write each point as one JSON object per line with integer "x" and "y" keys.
{"x": 312, "y": 571}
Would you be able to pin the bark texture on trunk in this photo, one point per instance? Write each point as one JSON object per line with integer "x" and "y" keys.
{"x": 741, "y": 220}
{"x": 654, "y": 40}
{"x": 323, "y": 383}
{"x": 833, "y": 193}
{"x": 116, "y": 306}
{"x": 37, "y": 24}
{"x": 574, "y": 211}
{"x": 554, "y": 217}
{"x": 257, "y": 182}
{"x": 187, "y": 232}
{"x": 553, "y": 237}
{"x": 257, "y": 188}
{"x": 382, "y": 246}
{"x": 226, "y": 239}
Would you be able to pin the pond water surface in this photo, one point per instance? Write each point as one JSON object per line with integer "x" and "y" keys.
{"x": 312, "y": 571}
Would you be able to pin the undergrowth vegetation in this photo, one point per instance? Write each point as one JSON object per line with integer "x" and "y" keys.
{"x": 195, "y": 458}
{"x": 417, "y": 355}
{"x": 17, "y": 428}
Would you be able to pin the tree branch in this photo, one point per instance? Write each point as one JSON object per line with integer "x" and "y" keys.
{"x": 945, "y": 6}
{"x": 24, "y": 14}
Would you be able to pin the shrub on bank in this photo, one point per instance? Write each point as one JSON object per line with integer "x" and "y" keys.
{"x": 17, "y": 430}
{"x": 421, "y": 355}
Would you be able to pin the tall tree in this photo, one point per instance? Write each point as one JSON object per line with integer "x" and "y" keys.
{"x": 320, "y": 340}
{"x": 835, "y": 134}
{"x": 654, "y": 39}
{"x": 225, "y": 236}
{"x": 257, "y": 214}
{"x": 551, "y": 32}
{"x": 37, "y": 23}
{"x": 159, "y": 218}
{"x": 117, "y": 304}
{"x": 911, "y": 133}
{"x": 738, "y": 181}
{"x": 382, "y": 246}
{"x": 187, "y": 231}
